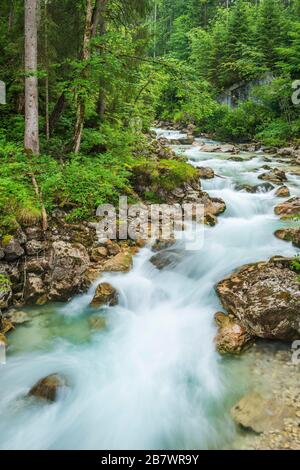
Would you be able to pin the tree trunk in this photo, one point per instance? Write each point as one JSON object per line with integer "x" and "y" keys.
{"x": 31, "y": 137}
{"x": 57, "y": 112}
{"x": 85, "y": 57}
{"x": 47, "y": 71}
{"x": 101, "y": 105}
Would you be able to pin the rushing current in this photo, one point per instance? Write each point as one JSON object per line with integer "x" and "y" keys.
{"x": 152, "y": 379}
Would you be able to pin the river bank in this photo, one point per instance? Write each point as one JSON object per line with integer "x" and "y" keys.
{"x": 154, "y": 364}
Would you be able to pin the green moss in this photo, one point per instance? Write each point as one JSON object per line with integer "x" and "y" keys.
{"x": 4, "y": 283}
{"x": 174, "y": 174}
{"x": 165, "y": 175}
{"x": 6, "y": 239}
{"x": 296, "y": 266}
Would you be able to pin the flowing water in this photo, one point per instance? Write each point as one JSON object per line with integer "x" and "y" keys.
{"x": 152, "y": 378}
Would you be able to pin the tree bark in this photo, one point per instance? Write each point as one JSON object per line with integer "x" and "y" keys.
{"x": 47, "y": 71}
{"x": 101, "y": 104}
{"x": 85, "y": 57}
{"x": 31, "y": 137}
{"x": 57, "y": 112}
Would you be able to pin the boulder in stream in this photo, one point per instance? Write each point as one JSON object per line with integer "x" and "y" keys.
{"x": 288, "y": 208}
{"x": 121, "y": 263}
{"x": 283, "y": 191}
{"x": 264, "y": 298}
{"x": 166, "y": 258}
{"x": 275, "y": 176}
{"x": 50, "y": 388}
{"x": 232, "y": 338}
{"x": 289, "y": 235}
{"x": 259, "y": 414}
{"x": 206, "y": 172}
{"x": 105, "y": 294}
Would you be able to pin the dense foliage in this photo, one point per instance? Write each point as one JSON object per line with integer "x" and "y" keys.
{"x": 144, "y": 60}
{"x": 219, "y": 45}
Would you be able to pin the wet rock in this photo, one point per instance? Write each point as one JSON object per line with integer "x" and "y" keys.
{"x": 121, "y": 263}
{"x": 188, "y": 140}
{"x": 287, "y": 152}
{"x": 5, "y": 325}
{"x": 99, "y": 254}
{"x": 212, "y": 206}
{"x": 263, "y": 188}
{"x": 161, "y": 245}
{"x": 259, "y": 188}
{"x": 229, "y": 149}
{"x": 17, "y": 317}
{"x": 166, "y": 258}
{"x": 13, "y": 250}
{"x": 49, "y": 388}
{"x": 3, "y": 340}
{"x": 259, "y": 414}
{"x": 105, "y": 294}
{"x": 275, "y": 176}
{"x": 289, "y": 235}
{"x": 232, "y": 338}
{"x": 206, "y": 173}
{"x": 264, "y": 298}
{"x": 290, "y": 207}
{"x": 34, "y": 288}
{"x": 210, "y": 148}
{"x": 68, "y": 263}
{"x": 283, "y": 191}
{"x": 35, "y": 247}
{"x": 113, "y": 248}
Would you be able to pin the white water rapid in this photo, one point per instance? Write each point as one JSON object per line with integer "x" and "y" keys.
{"x": 152, "y": 379}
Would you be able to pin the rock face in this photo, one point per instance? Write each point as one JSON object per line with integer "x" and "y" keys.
{"x": 68, "y": 263}
{"x": 34, "y": 287}
{"x": 290, "y": 207}
{"x": 264, "y": 298}
{"x": 232, "y": 338}
{"x": 105, "y": 295}
{"x": 275, "y": 176}
{"x": 259, "y": 414}
{"x": 13, "y": 250}
{"x": 283, "y": 191}
{"x": 289, "y": 235}
{"x": 206, "y": 172}
{"x": 49, "y": 388}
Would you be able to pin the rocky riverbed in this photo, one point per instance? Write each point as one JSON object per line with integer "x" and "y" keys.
{"x": 148, "y": 314}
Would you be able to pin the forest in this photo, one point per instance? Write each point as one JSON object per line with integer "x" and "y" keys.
{"x": 103, "y": 72}
{"x": 149, "y": 331}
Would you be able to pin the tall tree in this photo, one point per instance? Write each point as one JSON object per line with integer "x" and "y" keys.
{"x": 31, "y": 137}
{"x": 85, "y": 57}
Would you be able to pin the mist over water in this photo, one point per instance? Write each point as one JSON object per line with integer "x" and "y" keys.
{"x": 152, "y": 379}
